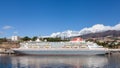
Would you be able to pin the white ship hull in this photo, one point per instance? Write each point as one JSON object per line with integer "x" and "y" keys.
{"x": 59, "y": 52}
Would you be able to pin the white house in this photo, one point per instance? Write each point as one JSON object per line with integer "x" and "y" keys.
{"x": 15, "y": 38}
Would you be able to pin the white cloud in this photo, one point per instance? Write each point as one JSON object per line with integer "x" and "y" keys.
{"x": 7, "y": 27}
{"x": 116, "y": 27}
{"x": 94, "y": 29}
{"x": 67, "y": 33}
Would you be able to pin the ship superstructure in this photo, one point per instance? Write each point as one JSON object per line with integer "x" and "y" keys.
{"x": 76, "y": 46}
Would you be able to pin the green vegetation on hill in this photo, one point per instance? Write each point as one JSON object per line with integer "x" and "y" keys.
{"x": 108, "y": 44}
{"x": 26, "y": 38}
{"x": 54, "y": 39}
{"x": 3, "y": 40}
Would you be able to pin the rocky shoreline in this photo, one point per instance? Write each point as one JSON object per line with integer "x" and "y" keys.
{"x": 5, "y": 47}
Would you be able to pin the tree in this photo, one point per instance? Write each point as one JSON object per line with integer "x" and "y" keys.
{"x": 54, "y": 39}
{"x": 34, "y": 38}
{"x": 26, "y": 38}
{"x": 3, "y": 40}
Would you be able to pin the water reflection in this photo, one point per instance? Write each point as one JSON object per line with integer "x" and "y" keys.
{"x": 57, "y": 66}
{"x": 5, "y": 61}
{"x": 58, "y": 61}
{"x": 107, "y": 61}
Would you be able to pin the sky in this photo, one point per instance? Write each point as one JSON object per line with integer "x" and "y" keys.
{"x": 44, "y": 17}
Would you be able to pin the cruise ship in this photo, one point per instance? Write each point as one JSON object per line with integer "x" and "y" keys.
{"x": 76, "y": 46}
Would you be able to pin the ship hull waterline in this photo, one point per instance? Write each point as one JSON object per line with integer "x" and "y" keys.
{"x": 61, "y": 52}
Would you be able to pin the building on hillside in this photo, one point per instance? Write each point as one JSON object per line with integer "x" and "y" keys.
{"x": 15, "y": 38}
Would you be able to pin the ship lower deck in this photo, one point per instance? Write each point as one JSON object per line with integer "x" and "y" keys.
{"x": 61, "y": 52}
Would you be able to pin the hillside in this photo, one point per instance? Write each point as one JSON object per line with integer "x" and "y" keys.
{"x": 112, "y": 33}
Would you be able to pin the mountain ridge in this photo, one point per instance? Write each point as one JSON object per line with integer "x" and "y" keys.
{"x": 87, "y": 30}
{"x": 111, "y": 33}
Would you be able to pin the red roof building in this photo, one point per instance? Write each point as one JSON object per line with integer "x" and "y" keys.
{"x": 77, "y": 39}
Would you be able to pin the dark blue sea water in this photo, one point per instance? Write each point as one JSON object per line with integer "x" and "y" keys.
{"x": 24, "y": 61}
